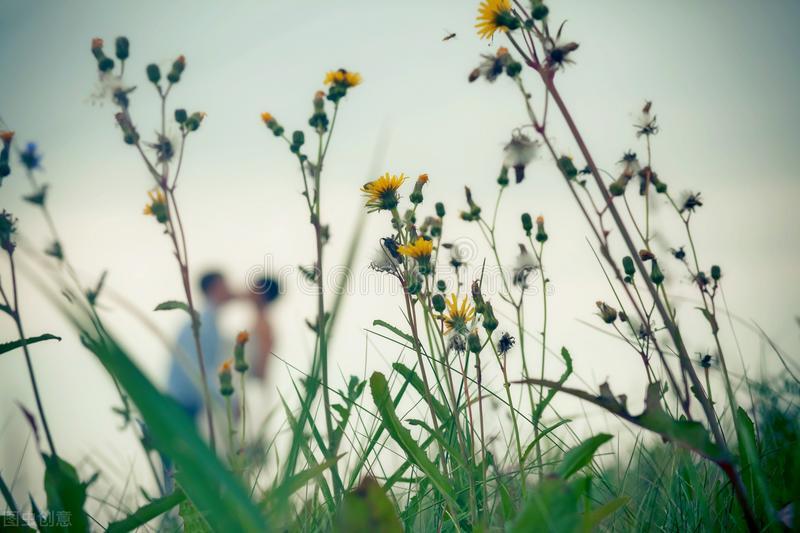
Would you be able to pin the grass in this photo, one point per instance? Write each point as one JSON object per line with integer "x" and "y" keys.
{"x": 433, "y": 445}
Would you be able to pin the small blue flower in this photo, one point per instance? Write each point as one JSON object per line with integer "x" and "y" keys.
{"x": 30, "y": 157}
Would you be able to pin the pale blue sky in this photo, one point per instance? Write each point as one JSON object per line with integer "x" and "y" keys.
{"x": 723, "y": 75}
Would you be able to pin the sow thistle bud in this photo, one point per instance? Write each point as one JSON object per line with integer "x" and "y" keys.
{"x": 489, "y": 320}
{"x": 474, "y": 341}
{"x": 477, "y": 297}
{"x": 240, "y": 364}
{"x": 416, "y": 194}
{"x": 104, "y": 63}
{"x": 272, "y": 124}
{"x": 153, "y": 73}
{"x": 505, "y": 343}
{"x": 441, "y": 286}
{"x": 122, "y": 48}
{"x": 319, "y": 120}
{"x": 527, "y": 224}
{"x": 541, "y": 234}
{"x": 298, "y": 140}
{"x": 193, "y": 122}
{"x": 607, "y": 313}
{"x": 178, "y": 66}
{"x": 656, "y": 276}
{"x": 129, "y": 133}
{"x": 181, "y": 116}
{"x": 157, "y": 206}
{"x": 225, "y": 378}
{"x": 5, "y": 152}
{"x": 438, "y": 303}
{"x": 502, "y": 179}
{"x": 628, "y": 267}
{"x": 716, "y": 272}
{"x": 8, "y": 227}
{"x": 440, "y": 212}
{"x": 414, "y": 283}
{"x": 474, "y": 210}
{"x": 540, "y": 11}
{"x": 567, "y": 167}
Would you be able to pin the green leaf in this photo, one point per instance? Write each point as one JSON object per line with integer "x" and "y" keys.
{"x": 169, "y": 305}
{"x": 405, "y": 336}
{"x": 13, "y": 345}
{"x": 147, "y": 512}
{"x": 415, "y": 454}
{"x": 442, "y": 413}
{"x": 193, "y": 521}
{"x": 368, "y": 509}
{"x": 592, "y": 519}
{"x": 66, "y": 493}
{"x": 581, "y": 455}
{"x": 542, "y": 435}
{"x": 553, "y": 506}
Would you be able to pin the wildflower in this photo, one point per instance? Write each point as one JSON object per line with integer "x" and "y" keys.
{"x": 104, "y": 63}
{"x": 646, "y": 123}
{"x": 382, "y": 193}
{"x": 181, "y": 116}
{"x": 477, "y": 297}
{"x": 558, "y": 53}
{"x": 416, "y": 195}
{"x": 539, "y": 11}
{"x": 438, "y": 303}
{"x": 30, "y": 158}
{"x": 7, "y": 230}
{"x": 272, "y": 124}
{"x": 193, "y": 122}
{"x": 340, "y": 80}
{"x": 525, "y": 265}
{"x": 607, "y": 313}
{"x": 502, "y": 179}
{"x": 319, "y": 119}
{"x": 440, "y": 212}
{"x": 492, "y": 66}
{"x": 238, "y": 352}
{"x": 157, "y": 206}
{"x": 505, "y": 343}
{"x": 441, "y": 286}
{"x": 628, "y": 267}
{"x": 519, "y": 152}
{"x": 630, "y": 166}
{"x": 420, "y": 249}
{"x": 457, "y": 316}
{"x": 541, "y": 234}
{"x": 691, "y": 201}
{"x": 6, "y": 137}
{"x": 225, "y": 378}
{"x": 646, "y": 255}
{"x": 495, "y": 15}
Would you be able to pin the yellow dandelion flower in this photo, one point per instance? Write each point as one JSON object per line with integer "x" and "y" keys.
{"x": 421, "y": 248}
{"x": 382, "y": 193}
{"x": 342, "y": 77}
{"x": 157, "y": 203}
{"x": 494, "y": 15}
{"x": 334, "y": 76}
{"x": 352, "y": 79}
{"x": 458, "y": 316}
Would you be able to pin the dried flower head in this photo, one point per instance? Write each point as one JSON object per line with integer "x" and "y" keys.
{"x": 690, "y": 202}
{"x": 495, "y": 15}
{"x": 525, "y": 265}
{"x": 164, "y": 148}
{"x": 382, "y": 193}
{"x": 519, "y": 152}
{"x": 646, "y": 124}
{"x": 505, "y": 343}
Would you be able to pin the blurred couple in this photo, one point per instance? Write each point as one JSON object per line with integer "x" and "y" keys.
{"x": 183, "y": 381}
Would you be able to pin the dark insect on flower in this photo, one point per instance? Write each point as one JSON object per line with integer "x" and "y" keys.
{"x": 679, "y": 254}
{"x": 164, "y": 147}
{"x": 705, "y": 360}
{"x": 30, "y": 157}
{"x": 391, "y": 246}
{"x": 505, "y": 343}
{"x": 691, "y": 201}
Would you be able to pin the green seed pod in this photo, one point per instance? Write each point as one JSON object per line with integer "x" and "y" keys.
{"x": 489, "y": 320}
{"x": 607, "y": 313}
{"x": 656, "y": 275}
{"x": 474, "y": 341}
{"x": 438, "y": 303}
{"x": 716, "y": 272}
{"x": 153, "y": 73}
{"x": 527, "y": 224}
{"x": 628, "y": 266}
{"x": 440, "y": 209}
{"x": 122, "y": 48}
{"x": 181, "y": 116}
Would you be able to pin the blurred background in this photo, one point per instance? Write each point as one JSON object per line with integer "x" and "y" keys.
{"x": 723, "y": 77}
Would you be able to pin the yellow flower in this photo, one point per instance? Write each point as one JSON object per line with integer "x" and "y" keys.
{"x": 157, "y": 206}
{"x": 266, "y": 117}
{"x": 382, "y": 193}
{"x": 422, "y": 248}
{"x": 343, "y": 77}
{"x": 494, "y": 15}
{"x": 458, "y": 316}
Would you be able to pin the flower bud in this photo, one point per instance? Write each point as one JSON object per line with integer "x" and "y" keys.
{"x": 474, "y": 341}
{"x": 105, "y": 64}
{"x": 416, "y": 194}
{"x": 541, "y": 234}
{"x": 656, "y": 276}
{"x": 607, "y": 313}
{"x": 272, "y": 124}
{"x": 502, "y": 179}
{"x": 414, "y": 283}
{"x": 153, "y": 73}
{"x": 194, "y": 120}
{"x": 181, "y": 116}
{"x": 440, "y": 209}
{"x": 489, "y": 320}
{"x": 527, "y": 224}
{"x": 438, "y": 303}
{"x": 567, "y": 167}
{"x": 540, "y": 11}
{"x": 628, "y": 266}
{"x": 474, "y": 209}
{"x": 298, "y": 139}
{"x": 477, "y": 297}
{"x": 7, "y": 231}
{"x": 225, "y": 378}
{"x": 238, "y": 352}
{"x": 97, "y": 48}
{"x": 716, "y": 272}
{"x": 441, "y": 285}
{"x": 513, "y": 69}
{"x": 178, "y": 66}
{"x": 122, "y": 48}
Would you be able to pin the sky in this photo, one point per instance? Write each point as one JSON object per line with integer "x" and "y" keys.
{"x": 723, "y": 77}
